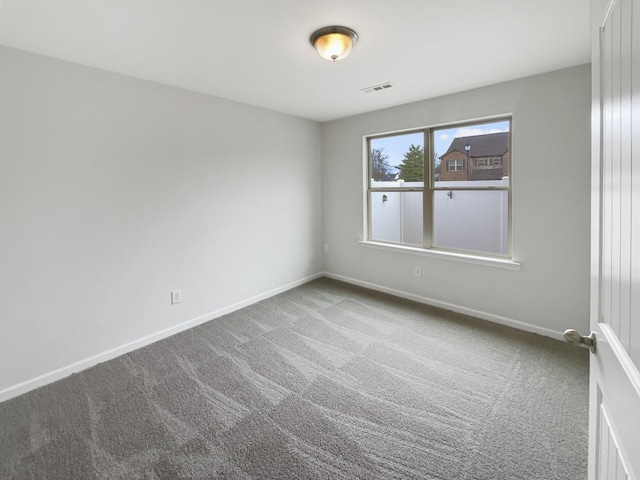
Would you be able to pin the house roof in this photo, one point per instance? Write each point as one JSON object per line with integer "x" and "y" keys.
{"x": 488, "y": 145}
{"x": 487, "y": 174}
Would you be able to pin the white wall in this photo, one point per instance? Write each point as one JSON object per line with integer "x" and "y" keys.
{"x": 551, "y": 196}
{"x": 115, "y": 191}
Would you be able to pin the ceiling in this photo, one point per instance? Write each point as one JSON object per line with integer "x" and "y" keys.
{"x": 258, "y": 51}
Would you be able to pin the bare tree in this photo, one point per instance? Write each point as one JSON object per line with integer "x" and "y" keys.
{"x": 380, "y": 169}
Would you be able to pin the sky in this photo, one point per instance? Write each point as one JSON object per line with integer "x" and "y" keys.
{"x": 397, "y": 145}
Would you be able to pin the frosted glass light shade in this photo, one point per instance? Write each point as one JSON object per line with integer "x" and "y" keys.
{"x": 334, "y": 43}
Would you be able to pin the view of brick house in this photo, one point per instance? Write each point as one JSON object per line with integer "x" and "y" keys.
{"x": 488, "y": 157}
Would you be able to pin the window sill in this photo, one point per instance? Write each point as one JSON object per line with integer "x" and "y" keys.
{"x": 456, "y": 257}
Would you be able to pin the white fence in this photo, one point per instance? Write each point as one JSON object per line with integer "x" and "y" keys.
{"x": 467, "y": 220}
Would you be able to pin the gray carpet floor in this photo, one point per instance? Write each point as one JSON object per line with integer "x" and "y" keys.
{"x": 324, "y": 381}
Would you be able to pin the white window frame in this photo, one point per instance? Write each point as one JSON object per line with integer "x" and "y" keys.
{"x": 428, "y": 191}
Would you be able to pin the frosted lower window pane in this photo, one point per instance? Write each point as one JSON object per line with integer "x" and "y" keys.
{"x": 472, "y": 220}
{"x": 396, "y": 217}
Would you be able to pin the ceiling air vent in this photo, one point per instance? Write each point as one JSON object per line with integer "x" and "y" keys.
{"x": 377, "y": 88}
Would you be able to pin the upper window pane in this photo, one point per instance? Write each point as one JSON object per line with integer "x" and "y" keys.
{"x": 397, "y": 160}
{"x": 471, "y": 153}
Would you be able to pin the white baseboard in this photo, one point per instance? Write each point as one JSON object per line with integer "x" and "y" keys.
{"x": 454, "y": 308}
{"x": 60, "y": 373}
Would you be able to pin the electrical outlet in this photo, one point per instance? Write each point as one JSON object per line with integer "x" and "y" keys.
{"x": 312, "y": 256}
{"x": 326, "y": 248}
{"x": 176, "y": 296}
{"x": 417, "y": 271}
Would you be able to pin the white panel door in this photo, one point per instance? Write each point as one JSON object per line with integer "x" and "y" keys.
{"x": 614, "y": 443}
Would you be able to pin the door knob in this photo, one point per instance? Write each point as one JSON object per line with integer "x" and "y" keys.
{"x": 574, "y": 338}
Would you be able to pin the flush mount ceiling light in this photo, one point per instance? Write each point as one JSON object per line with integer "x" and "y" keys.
{"x": 334, "y": 43}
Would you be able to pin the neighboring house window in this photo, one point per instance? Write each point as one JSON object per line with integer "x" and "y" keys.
{"x": 420, "y": 195}
{"x": 454, "y": 165}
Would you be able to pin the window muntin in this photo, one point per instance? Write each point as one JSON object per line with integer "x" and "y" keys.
{"x": 464, "y": 206}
